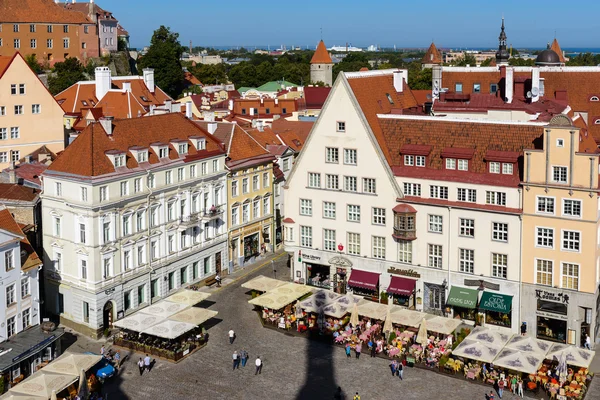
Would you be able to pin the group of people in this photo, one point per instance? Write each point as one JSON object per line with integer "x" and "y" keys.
{"x": 398, "y": 368}
{"x": 242, "y": 356}
{"x": 145, "y": 364}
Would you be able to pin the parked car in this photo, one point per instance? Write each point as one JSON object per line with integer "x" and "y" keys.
{"x": 103, "y": 369}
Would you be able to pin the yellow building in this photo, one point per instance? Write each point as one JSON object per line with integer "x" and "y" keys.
{"x": 29, "y": 115}
{"x": 560, "y": 233}
{"x": 249, "y": 192}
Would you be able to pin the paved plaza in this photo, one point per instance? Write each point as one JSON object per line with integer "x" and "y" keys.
{"x": 294, "y": 367}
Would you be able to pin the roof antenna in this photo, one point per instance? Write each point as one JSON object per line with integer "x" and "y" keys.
{"x": 321, "y": 33}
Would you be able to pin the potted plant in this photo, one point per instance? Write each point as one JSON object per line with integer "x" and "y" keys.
{"x": 442, "y": 362}
{"x": 384, "y": 297}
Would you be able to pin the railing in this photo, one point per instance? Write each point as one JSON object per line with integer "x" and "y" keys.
{"x": 404, "y": 234}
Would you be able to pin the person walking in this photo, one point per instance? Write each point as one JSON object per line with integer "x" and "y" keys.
{"x": 147, "y": 362}
{"x": 141, "y": 366}
{"x": 102, "y": 350}
{"x": 373, "y": 348}
{"x": 218, "y": 279}
{"x": 401, "y": 371}
{"x": 588, "y": 342}
{"x": 358, "y": 349}
{"x": 236, "y": 360}
{"x": 117, "y": 360}
{"x": 491, "y": 395}
{"x": 348, "y": 350}
{"x": 520, "y": 388}
{"x": 244, "y": 357}
{"x": 258, "y": 364}
{"x": 393, "y": 367}
{"x": 231, "y": 336}
{"x": 513, "y": 385}
{"x": 500, "y": 387}
{"x": 356, "y": 396}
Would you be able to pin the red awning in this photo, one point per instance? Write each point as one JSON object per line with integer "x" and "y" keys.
{"x": 401, "y": 286}
{"x": 363, "y": 279}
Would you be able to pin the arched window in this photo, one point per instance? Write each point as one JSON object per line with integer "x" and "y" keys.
{"x": 594, "y": 98}
{"x": 597, "y": 122}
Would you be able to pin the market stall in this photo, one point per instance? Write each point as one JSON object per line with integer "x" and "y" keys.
{"x": 188, "y": 297}
{"x": 262, "y": 284}
{"x": 515, "y": 360}
{"x": 573, "y": 355}
{"x": 42, "y": 384}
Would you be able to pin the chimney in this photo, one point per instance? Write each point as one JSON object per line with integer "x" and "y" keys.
{"x": 251, "y": 110}
{"x": 230, "y": 105}
{"x": 102, "y": 81}
{"x": 68, "y": 123}
{"x": 508, "y": 85}
{"x": 188, "y": 109}
{"x": 260, "y": 126}
{"x": 535, "y": 84}
{"x": 12, "y": 173}
{"x": 127, "y": 87}
{"x": 398, "y": 81}
{"x": 212, "y": 127}
{"x": 276, "y": 101}
{"x": 168, "y": 104}
{"x": 149, "y": 79}
{"x": 107, "y": 124}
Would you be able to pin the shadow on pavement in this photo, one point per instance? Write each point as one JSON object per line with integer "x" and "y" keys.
{"x": 205, "y": 304}
{"x": 211, "y": 323}
{"x": 320, "y": 380}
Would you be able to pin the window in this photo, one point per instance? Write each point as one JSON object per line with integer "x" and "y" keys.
{"x": 183, "y": 275}
{"x": 9, "y": 260}
{"x": 2, "y": 111}
{"x": 328, "y": 209}
{"x": 13, "y": 89}
{"x": 15, "y": 132}
{"x": 305, "y": 236}
{"x": 560, "y": 143}
{"x": 544, "y": 272}
{"x": 126, "y": 224}
{"x": 450, "y": 163}
{"x": 494, "y": 167}
{"x": 151, "y": 181}
{"x": 235, "y": 216}
{"x": 3, "y": 135}
{"x": 234, "y": 188}
{"x": 17, "y": 43}
{"x": 182, "y": 148}
{"x": 405, "y": 251}
{"x": 16, "y": 28}
{"x": 438, "y": 192}
{"x": 378, "y": 216}
{"x": 354, "y": 243}
{"x": 286, "y": 164}
{"x": 341, "y": 126}
{"x": 468, "y": 195}
{"x": 25, "y": 287}
{"x": 572, "y": 208}
{"x": 86, "y": 308}
{"x": 141, "y": 293}
{"x": 499, "y": 265}
{"x": 350, "y": 157}
{"x": 245, "y": 213}
{"x": 545, "y": 205}
{"x": 476, "y": 87}
{"x": 141, "y": 255}
{"x": 58, "y": 187}
{"x": 82, "y": 236}
{"x": 18, "y": 110}
{"x": 495, "y": 198}
{"x": 256, "y": 208}
{"x": 435, "y": 255}
{"x": 26, "y": 318}
{"x": 467, "y": 260}
{"x": 329, "y": 239}
{"x": 379, "y": 247}
{"x": 215, "y": 166}
{"x": 154, "y": 220}
{"x": 180, "y": 174}
{"x": 463, "y": 165}
{"x": 420, "y": 161}
{"x": 507, "y": 169}
{"x": 435, "y": 223}
{"x": 545, "y": 237}
{"x": 66, "y": 43}
{"x": 168, "y": 177}
{"x": 350, "y": 184}
{"x": 467, "y": 227}
{"x": 305, "y": 207}
{"x": 3, "y": 156}
{"x": 493, "y": 88}
{"x": 49, "y": 43}
{"x": 171, "y": 244}
{"x": 458, "y": 87}
{"x": 124, "y": 188}
{"x": 559, "y": 174}
{"x": 11, "y": 327}
{"x": 369, "y": 185}
{"x": 106, "y": 232}
{"x": 140, "y": 218}
{"x": 500, "y": 231}
{"x": 206, "y": 265}
{"x": 571, "y": 240}
{"x": 57, "y": 227}
{"x": 137, "y": 185}
{"x": 265, "y": 180}
{"x": 332, "y": 182}
{"x": 126, "y": 260}
{"x": 86, "y": 29}
{"x": 103, "y": 193}
{"x": 255, "y": 183}
{"x": 127, "y": 300}
{"x": 171, "y": 211}
{"x": 66, "y": 28}
{"x": 163, "y": 152}
{"x": 10, "y": 295}
{"x": 266, "y": 205}
{"x": 412, "y": 189}
{"x": 33, "y": 43}
{"x": 409, "y": 160}
{"x": 332, "y": 155}
{"x": 570, "y": 276}
{"x": 353, "y": 213}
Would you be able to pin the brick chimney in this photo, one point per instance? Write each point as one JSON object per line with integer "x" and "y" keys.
{"x": 102, "y": 75}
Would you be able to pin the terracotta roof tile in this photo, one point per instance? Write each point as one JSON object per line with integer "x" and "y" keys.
{"x": 16, "y": 192}
{"x": 556, "y": 48}
{"x": 119, "y": 105}
{"x": 321, "y": 55}
{"x": 432, "y": 55}
{"x": 243, "y": 147}
{"x": 292, "y": 133}
{"x": 29, "y": 258}
{"x": 4, "y": 63}
{"x": 39, "y": 11}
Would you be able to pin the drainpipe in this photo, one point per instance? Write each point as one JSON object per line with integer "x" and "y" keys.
{"x": 571, "y": 160}
{"x": 520, "y": 270}
{"x": 150, "y": 193}
{"x": 449, "y": 242}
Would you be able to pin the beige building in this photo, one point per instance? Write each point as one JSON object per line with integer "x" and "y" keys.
{"x": 29, "y": 115}
{"x": 560, "y": 258}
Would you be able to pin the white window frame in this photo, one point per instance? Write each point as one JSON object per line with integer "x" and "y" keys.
{"x": 466, "y": 195}
{"x": 340, "y": 126}
{"x": 498, "y": 234}
{"x": 378, "y": 216}
{"x": 405, "y": 251}
{"x": 306, "y": 237}
{"x": 103, "y": 193}
{"x": 314, "y": 180}
{"x": 378, "y": 247}
{"x": 438, "y": 192}
{"x": 575, "y": 243}
{"x": 466, "y": 227}
{"x": 332, "y": 182}
{"x": 557, "y": 170}
{"x": 412, "y": 189}
{"x": 544, "y": 273}
{"x": 306, "y": 207}
{"x": 329, "y": 239}
{"x": 450, "y": 163}
{"x": 435, "y": 223}
{"x": 495, "y": 198}
{"x": 499, "y": 265}
{"x": 435, "y": 254}
{"x": 354, "y": 243}
{"x": 466, "y": 261}
{"x": 572, "y": 202}
{"x": 409, "y": 160}
{"x": 353, "y": 213}
{"x": 369, "y": 185}
{"x": 546, "y": 203}
{"x": 329, "y": 209}
{"x": 507, "y": 168}
{"x": 567, "y": 276}
{"x": 350, "y": 184}
{"x": 350, "y": 157}
{"x": 332, "y": 156}
{"x": 546, "y": 234}
{"x": 494, "y": 167}
{"x": 463, "y": 165}
{"x": 420, "y": 161}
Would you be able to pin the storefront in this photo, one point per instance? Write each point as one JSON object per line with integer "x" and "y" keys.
{"x": 364, "y": 283}
{"x": 340, "y": 280}
{"x": 251, "y": 247}
{"x": 463, "y": 302}
{"x": 551, "y": 320}
{"x": 402, "y": 291}
{"x": 434, "y": 298}
{"x": 497, "y": 308}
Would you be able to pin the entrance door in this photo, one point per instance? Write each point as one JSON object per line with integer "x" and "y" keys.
{"x": 218, "y": 262}
{"x": 108, "y": 315}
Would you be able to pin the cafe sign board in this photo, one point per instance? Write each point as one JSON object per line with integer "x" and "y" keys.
{"x": 404, "y": 272}
{"x": 544, "y": 295}
{"x": 311, "y": 257}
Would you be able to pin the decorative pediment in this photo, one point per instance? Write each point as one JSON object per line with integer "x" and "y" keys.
{"x": 340, "y": 262}
{"x": 81, "y": 251}
{"x": 128, "y": 242}
{"x": 172, "y": 227}
{"x": 155, "y": 232}
{"x": 108, "y": 249}
{"x": 56, "y": 244}
{"x": 142, "y": 238}
{"x": 56, "y": 213}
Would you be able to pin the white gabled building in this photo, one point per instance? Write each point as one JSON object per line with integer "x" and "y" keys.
{"x": 133, "y": 210}
{"x": 428, "y": 210}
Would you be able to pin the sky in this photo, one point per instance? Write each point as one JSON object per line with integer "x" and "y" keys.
{"x": 450, "y": 24}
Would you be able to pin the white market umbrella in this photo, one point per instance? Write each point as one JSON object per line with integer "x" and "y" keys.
{"x": 354, "y": 315}
{"x": 387, "y": 325}
{"x": 422, "y": 335}
{"x": 562, "y": 368}
{"x": 527, "y": 362}
{"x": 84, "y": 391}
{"x": 53, "y": 396}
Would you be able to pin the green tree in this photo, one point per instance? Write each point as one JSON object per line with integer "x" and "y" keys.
{"x": 33, "y": 63}
{"x": 419, "y": 78}
{"x": 66, "y": 74}
{"x": 584, "y": 59}
{"x": 264, "y": 72}
{"x": 352, "y": 62}
{"x": 244, "y": 74}
{"x": 121, "y": 44}
{"x": 164, "y": 56}
{"x": 487, "y": 62}
{"x": 210, "y": 74}
{"x": 464, "y": 60}
{"x": 520, "y": 62}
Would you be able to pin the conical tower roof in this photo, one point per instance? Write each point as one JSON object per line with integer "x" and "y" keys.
{"x": 321, "y": 55}
{"x": 556, "y": 48}
{"x": 432, "y": 56}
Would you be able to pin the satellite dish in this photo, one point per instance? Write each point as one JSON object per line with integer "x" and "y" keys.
{"x": 529, "y": 95}
{"x": 535, "y": 91}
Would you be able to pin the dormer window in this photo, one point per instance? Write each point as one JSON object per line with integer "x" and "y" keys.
{"x": 163, "y": 152}
{"x": 463, "y": 165}
{"x": 119, "y": 160}
{"x": 450, "y": 163}
{"x": 594, "y": 98}
{"x": 494, "y": 167}
{"x": 420, "y": 161}
{"x": 507, "y": 169}
{"x": 597, "y": 122}
{"x": 142, "y": 156}
{"x": 409, "y": 160}
{"x": 201, "y": 144}
{"x": 182, "y": 148}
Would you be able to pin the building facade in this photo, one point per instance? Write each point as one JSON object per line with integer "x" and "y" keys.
{"x": 144, "y": 218}
{"x": 106, "y": 24}
{"x": 29, "y": 115}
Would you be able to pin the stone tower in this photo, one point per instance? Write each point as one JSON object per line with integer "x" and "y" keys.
{"x": 321, "y": 66}
{"x": 502, "y": 54}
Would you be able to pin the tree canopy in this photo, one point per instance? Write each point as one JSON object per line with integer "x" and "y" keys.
{"x": 66, "y": 74}
{"x": 164, "y": 55}
{"x": 464, "y": 60}
{"x": 584, "y": 59}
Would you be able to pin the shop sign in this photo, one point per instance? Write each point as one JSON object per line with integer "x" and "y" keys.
{"x": 250, "y": 231}
{"x": 311, "y": 257}
{"x": 544, "y": 295}
{"x": 404, "y": 272}
{"x": 35, "y": 347}
{"x": 341, "y": 261}
{"x": 551, "y": 315}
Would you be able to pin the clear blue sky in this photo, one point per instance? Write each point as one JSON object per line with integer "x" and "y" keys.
{"x": 467, "y": 23}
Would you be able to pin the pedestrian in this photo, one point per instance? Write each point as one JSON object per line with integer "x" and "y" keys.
{"x": 141, "y": 366}
{"x": 102, "y": 350}
{"x": 348, "y": 350}
{"x": 393, "y": 367}
{"x": 523, "y": 329}
{"x": 244, "y": 357}
{"x": 356, "y": 397}
{"x": 147, "y": 362}
{"x": 400, "y": 371}
{"x": 491, "y": 395}
{"x": 236, "y": 360}
{"x": 117, "y": 360}
{"x": 258, "y": 364}
{"x": 372, "y": 348}
{"x": 231, "y": 336}
{"x": 500, "y": 387}
{"x": 218, "y": 279}
{"x": 358, "y": 349}
{"x": 513, "y": 384}
{"x": 588, "y": 342}
{"x": 520, "y": 388}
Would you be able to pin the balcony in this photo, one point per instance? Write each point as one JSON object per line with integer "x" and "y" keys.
{"x": 404, "y": 222}
{"x": 211, "y": 213}
{"x": 403, "y": 234}
{"x": 189, "y": 221}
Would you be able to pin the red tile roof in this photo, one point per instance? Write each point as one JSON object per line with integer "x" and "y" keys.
{"x": 29, "y": 258}
{"x": 191, "y": 79}
{"x": 432, "y": 55}
{"x": 4, "y": 63}
{"x": 315, "y": 96}
{"x": 86, "y": 156}
{"x": 16, "y": 192}
{"x": 120, "y": 105}
{"x": 556, "y": 48}
{"x": 321, "y": 56}
{"x": 46, "y": 11}
{"x": 422, "y": 96}
{"x": 292, "y": 133}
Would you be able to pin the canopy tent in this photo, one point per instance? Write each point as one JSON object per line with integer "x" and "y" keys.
{"x": 462, "y": 297}
{"x": 273, "y": 301}
{"x": 262, "y": 283}
{"x": 401, "y": 286}
{"x": 573, "y": 355}
{"x": 493, "y": 337}
{"x": 330, "y": 303}
{"x": 164, "y": 308}
{"x": 18, "y": 396}
{"x": 443, "y": 325}
{"x": 403, "y": 316}
{"x": 422, "y": 334}
{"x": 138, "y": 321}
{"x": 72, "y": 364}
{"x": 495, "y": 302}
{"x": 194, "y": 316}
{"x": 292, "y": 289}
{"x": 188, "y": 297}
{"x": 529, "y": 344}
{"x": 169, "y": 329}
{"x": 513, "y": 359}
{"x": 475, "y": 350}
{"x": 42, "y": 383}
{"x": 83, "y": 391}
{"x": 363, "y": 279}
{"x": 372, "y": 310}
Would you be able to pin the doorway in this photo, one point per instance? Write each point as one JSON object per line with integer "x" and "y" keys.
{"x": 218, "y": 263}
{"x": 108, "y": 315}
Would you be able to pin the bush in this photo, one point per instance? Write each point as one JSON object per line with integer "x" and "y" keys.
{"x": 391, "y": 336}
{"x": 107, "y": 332}
{"x": 384, "y": 297}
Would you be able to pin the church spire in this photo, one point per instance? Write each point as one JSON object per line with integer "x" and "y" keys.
{"x": 502, "y": 54}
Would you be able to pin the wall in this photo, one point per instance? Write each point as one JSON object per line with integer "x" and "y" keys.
{"x": 107, "y": 32}
{"x": 321, "y": 73}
